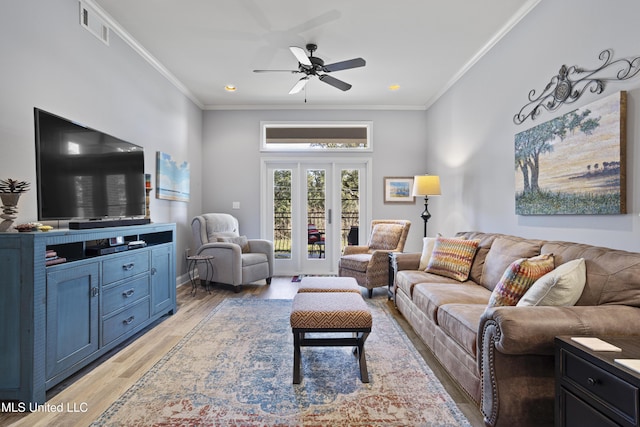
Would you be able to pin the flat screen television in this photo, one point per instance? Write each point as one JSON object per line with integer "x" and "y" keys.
{"x": 85, "y": 174}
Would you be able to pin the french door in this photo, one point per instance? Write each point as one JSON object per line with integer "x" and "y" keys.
{"x": 311, "y": 209}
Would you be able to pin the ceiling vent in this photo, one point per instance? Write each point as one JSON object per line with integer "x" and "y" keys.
{"x": 92, "y": 21}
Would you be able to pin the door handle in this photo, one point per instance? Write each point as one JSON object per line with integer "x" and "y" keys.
{"x": 329, "y": 217}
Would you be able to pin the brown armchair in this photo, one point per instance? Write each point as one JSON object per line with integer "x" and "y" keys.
{"x": 369, "y": 265}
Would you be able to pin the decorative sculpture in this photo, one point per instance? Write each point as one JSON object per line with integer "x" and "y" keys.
{"x": 571, "y": 82}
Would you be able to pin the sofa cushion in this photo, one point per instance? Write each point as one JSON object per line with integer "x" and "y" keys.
{"x": 505, "y": 250}
{"x": 518, "y": 278}
{"x": 460, "y": 322}
{"x": 613, "y": 276}
{"x": 429, "y": 297}
{"x": 355, "y": 262}
{"x": 559, "y": 287}
{"x": 385, "y": 236}
{"x": 452, "y": 257}
{"x": 241, "y": 241}
{"x": 408, "y": 279}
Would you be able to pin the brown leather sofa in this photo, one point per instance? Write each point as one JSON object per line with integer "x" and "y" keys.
{"x": 503, "y": 357}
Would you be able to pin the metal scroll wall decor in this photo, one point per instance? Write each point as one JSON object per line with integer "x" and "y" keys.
{"x": 571, "y": 82}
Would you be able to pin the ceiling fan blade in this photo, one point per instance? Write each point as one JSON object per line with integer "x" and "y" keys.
{"x": 300, "y": 55}
{"x": 335, "y": 82}
{"x": 345, "y": 65}
{"x": 276, "y": 71}
{"x": 299, "y": 85}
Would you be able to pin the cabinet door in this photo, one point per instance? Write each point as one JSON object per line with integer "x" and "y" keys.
{"x": 163, "y": 287}
{"x": 72, "y": 316}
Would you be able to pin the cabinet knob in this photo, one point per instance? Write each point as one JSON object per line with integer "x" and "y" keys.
{"x": 129, "y": 320}
{"x": 592, "y": 382}
{"x": 128, "y": 267}
{"x": 128, "y": 293}
{"x": 94, "y": 292}
{"x": 153, "y": 271}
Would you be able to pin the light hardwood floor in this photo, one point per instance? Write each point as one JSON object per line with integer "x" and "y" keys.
{"x": 92, "y": 390}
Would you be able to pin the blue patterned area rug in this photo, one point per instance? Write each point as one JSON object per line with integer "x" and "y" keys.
{"x": 235, "y": 368}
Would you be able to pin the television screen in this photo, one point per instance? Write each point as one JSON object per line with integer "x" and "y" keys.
{"x": 85, "y": 174}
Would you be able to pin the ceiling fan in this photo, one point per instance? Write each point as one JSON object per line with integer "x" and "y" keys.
{"x": 313, "y": 66}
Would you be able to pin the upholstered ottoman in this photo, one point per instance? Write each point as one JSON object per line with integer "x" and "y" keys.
{"x": 329, "y": 284}
{"x": 319, "y": 312}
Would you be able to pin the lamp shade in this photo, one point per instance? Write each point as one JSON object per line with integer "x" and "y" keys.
{"x": 426, "y": 185}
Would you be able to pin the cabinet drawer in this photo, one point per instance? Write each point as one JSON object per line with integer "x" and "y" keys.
{"x": 124, "y": 266}
{"x": 125, "y": 321}
{"x": 579, "y": 414}
{"x": 601, "y": 386}
{"x": 124, "y": 294}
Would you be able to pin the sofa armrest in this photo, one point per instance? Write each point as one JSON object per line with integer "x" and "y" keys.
{"x": 531, "y": 330}
{"x": 516, "y": 353}
{"x": 407, "y": 260}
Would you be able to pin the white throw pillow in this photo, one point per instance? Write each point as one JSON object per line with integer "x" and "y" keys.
{"x": 560, "y": 287}
{"x": 427, "y": 249}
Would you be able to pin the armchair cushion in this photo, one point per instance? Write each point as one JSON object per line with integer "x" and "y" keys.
{"x": 385, "y": 236}
{"x": 241, "y": 241}
{"x": 356, "y": 262}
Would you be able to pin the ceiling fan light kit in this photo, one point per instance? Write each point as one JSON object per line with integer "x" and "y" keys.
{"x": 313, "y": 66}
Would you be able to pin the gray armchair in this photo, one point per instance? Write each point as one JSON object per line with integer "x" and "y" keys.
{"x": 238, "y": 260}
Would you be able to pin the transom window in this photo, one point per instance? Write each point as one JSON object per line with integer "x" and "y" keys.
{"x": 318, "y": 136}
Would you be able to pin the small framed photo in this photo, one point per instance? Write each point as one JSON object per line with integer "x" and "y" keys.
{"x": 398, "y": 189}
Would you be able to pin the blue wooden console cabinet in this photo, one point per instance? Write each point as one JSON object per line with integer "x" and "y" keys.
{"x": 56, "y": 319}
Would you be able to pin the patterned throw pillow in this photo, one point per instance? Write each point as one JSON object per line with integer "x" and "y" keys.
{"x": 242, "y": 241}
{"x": 452, "y": 257}
{"x": 518, "y": 278}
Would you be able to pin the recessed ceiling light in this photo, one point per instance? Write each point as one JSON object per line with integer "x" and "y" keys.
{"x": 230, "y": 88}
{"x": 394, "y": 87}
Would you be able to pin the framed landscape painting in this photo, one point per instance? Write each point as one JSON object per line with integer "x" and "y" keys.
{"x": 574, "y": 164}
{"x": 398, "y": 190}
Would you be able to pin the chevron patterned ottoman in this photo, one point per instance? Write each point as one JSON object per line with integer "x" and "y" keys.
{"x": 319, "y": 312}
{"x": 329, "y": 284}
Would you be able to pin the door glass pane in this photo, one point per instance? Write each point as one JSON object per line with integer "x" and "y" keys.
{"x": 350, "y": 207}
{"x": 316, "y": 203}
{"x": 282, "y": 213}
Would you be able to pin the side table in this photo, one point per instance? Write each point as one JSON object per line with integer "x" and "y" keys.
{"x": 594, "y": 390}
{"x": 192, "y": 267}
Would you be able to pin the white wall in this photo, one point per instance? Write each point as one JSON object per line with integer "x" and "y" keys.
{"x": 470, "y": 130}
{"x": 231, "y": 170}
{"x": 49, "y": 61}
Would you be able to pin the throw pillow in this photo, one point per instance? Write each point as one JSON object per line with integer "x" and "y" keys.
{"x": 452, "y": 257}
{"x": 427, "y": 250}
{"x": 385, "y": 236}
{"x": 518, "y": 278}
{"x": 560, "y": 287}
{"x": 242, "y": 241}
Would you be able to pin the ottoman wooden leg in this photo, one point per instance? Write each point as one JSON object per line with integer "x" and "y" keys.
{"x": 362, "y": 360}
{"x": 296, "y": 357}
